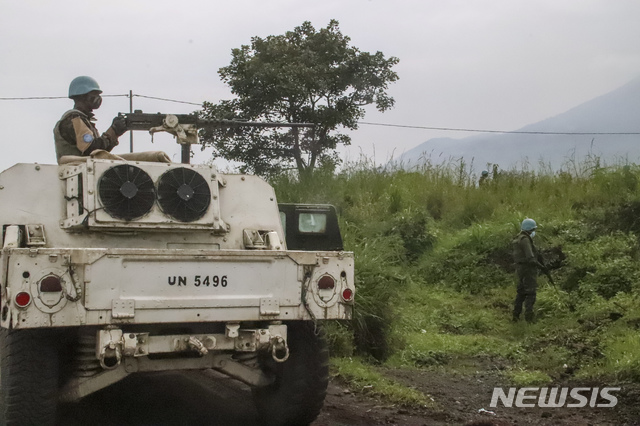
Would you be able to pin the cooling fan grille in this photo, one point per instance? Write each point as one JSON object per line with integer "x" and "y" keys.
{"x": 126, "y": 192}
{"x": 183, "y": 194}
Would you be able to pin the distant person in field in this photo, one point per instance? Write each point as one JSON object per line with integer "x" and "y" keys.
{"x": 76, "y": 133}
{"x": 484, "y": 176}
{"x": 495, "y": 174}
{"x": 526, "y": 258}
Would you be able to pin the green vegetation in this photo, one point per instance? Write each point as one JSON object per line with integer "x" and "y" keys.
{"x": 434, "y": 273}
{"x": 303, "y": 76}
{"x": 364, "y": 379}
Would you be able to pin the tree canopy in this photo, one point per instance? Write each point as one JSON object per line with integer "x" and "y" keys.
{"x": 305, "y": 75}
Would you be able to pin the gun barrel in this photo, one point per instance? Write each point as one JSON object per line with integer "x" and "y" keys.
{"x": 241, "y": 123}
{"x": 549, "y": 277}
{"x": 144, "y": 121}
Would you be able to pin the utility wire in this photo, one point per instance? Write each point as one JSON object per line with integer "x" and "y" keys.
{"x": 518, "y": 132}
{"x": 31, "y": 98}
{"x": 104, "y": 96}
{"x": 167, "y": 100}
{"x": 447, "y": 129}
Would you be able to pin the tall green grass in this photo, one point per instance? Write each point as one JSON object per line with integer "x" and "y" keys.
{"x": 434, "y": 273}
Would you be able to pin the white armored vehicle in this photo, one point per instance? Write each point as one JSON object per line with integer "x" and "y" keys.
{"x": 113, "y": 267}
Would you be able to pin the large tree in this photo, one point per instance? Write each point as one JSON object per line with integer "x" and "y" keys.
{"x": 305, "y": 75}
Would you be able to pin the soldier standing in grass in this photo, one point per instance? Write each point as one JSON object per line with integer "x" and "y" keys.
{"x": 483, "y": 178}
{"x": 525, "y": 256}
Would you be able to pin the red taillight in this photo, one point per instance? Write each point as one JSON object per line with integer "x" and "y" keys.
{"x": 23, "y": 299}
{"x": 326, "y": 283}
{"x": 347, "y": 294}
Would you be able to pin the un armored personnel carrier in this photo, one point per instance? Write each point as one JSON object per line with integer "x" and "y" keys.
{"x": 111, "y": 267}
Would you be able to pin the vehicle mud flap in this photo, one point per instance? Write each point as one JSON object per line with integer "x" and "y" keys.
{"x": 300, "y": 387}
{"x": 29, "y": 373}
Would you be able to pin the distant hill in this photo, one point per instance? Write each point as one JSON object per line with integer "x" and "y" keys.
{"x": 616, "y": 111}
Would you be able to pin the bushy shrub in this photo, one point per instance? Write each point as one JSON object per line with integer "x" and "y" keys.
{"x": 379, "y": 278}
{"x": 340, "y": 339}
{"x": 474, "y": 260}
{"x": 604, "y": 266}
{"x": 417, "y": 232}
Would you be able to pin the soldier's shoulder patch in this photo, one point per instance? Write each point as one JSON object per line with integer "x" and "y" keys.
{"x": 88, "y": 138}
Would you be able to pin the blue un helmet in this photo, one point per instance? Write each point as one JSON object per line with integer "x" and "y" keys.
{"x": 485, "y": 173}
{"x": 83, "y": 85}
{"x": 528, "y": 225}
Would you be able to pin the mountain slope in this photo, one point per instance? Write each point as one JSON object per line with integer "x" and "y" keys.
{"x": 617, "y": 111}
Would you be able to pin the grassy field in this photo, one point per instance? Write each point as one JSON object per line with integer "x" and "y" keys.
{"x": 435, "y": 280}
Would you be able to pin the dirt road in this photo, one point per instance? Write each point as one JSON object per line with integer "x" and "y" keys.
{"x": 176, "y": 399}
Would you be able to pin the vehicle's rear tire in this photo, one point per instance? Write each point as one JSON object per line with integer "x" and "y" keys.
{"x": 29, "y": 373}
{"x": 300, "y": 387}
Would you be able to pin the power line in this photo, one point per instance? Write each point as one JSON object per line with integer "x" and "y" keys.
{"x": 404, "y": 126}
{"x": 167, "y": 100}
{"x": 518, "y": 132}
{"x": 31, "y": 98}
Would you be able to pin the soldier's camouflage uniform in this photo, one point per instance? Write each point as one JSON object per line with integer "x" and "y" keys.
{"x": 75, "y": 134}
{"x": 525, "y": 256}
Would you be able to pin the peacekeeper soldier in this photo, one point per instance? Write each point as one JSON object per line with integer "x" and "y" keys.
{"x": 483, "y": 178}
{"x": 526, "y": 258}
{"x": 75, "y": 134}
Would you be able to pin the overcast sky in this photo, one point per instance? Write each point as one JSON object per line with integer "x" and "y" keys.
{"x": 487, "y": 64}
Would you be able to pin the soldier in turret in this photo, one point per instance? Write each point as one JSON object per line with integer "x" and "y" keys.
{"x": 526, "y": 258}
{"x": 75, "y": 133}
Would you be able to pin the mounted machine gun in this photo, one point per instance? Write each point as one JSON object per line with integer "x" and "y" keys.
{"x": 185, "y": 126}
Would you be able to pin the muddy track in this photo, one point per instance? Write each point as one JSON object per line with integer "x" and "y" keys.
{"x": 172, "y": 399}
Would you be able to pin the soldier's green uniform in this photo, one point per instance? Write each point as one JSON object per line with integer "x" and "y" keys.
{"x": 525, "y": 256}
{"x": 75, "y": 134}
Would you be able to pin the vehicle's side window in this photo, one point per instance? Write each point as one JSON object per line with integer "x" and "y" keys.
{"x": 310, "y": 227}
{"x": 312, "y": 223}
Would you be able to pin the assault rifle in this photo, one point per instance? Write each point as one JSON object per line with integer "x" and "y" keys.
{"x": 545, "y": 270}
{"x": 185, "y": 126}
